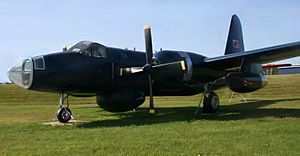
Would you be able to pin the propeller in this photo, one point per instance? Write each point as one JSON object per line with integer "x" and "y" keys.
{"x": 149, "y": 63}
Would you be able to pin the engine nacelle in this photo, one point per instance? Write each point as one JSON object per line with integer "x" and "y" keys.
{"x": 245, "y": 82}
{"x": 121, "y": 101}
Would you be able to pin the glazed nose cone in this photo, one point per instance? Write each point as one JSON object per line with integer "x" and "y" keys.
{"x": 21, "y": 73}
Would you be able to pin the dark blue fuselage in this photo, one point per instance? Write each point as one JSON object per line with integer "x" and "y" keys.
{"x": 80, "y": 73}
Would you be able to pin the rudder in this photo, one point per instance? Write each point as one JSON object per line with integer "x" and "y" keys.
{"x": 235, "y": 42}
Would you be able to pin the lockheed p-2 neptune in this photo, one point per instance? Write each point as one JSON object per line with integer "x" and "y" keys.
{"x": 120, "y": 78}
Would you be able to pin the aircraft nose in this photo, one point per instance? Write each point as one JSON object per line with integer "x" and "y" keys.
{"x": 21, "y": 73}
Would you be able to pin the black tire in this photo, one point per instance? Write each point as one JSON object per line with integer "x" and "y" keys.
{"x": 69, "y": 110}
{"x": 211, "y": 103}
{"x": 64, "y": 115}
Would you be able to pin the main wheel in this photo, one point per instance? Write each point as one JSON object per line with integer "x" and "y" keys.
{"x": 64, "y": 115}
{"x": 210, "y": 103}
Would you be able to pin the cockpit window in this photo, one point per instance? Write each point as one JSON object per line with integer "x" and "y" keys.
{"x": 87, "y": 52}
{"x": 79, "y": 46}
{"x": 90, "y": 49}
{"x": 95, "y": 50}
{"x": 98, "y": 51}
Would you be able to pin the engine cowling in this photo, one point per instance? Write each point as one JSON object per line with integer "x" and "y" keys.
{"x": 121, "y": 100}
{"x": 245, "y": 82}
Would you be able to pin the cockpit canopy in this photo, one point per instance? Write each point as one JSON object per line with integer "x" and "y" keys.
{"x": 88, "y": 48}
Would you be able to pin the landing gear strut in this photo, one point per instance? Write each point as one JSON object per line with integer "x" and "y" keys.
{"x": 63, "y": 114}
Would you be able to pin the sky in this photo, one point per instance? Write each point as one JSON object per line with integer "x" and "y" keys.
{"x": 32, "y": 27}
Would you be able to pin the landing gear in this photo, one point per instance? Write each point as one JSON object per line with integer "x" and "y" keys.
{"x": 210, "y": 103}
{"x": 210, "y": 99}
{"x": 63, "y": 114}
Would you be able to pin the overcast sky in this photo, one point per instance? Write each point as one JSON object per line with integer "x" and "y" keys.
{"x": 33, "y": 27}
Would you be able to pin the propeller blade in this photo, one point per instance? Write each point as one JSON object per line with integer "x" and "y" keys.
{"x": 148, "y": 44}
{"x": 149, "y": 56}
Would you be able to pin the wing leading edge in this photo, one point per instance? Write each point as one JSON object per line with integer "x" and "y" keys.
{"x": 265, "y": 55}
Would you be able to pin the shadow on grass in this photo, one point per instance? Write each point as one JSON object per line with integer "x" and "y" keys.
{"x": 238, "y": 111}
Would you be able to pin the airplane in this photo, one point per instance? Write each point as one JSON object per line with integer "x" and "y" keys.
{"x": 121, "y": 78}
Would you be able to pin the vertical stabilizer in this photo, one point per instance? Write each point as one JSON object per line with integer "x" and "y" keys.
{"x": 235, "y": 41}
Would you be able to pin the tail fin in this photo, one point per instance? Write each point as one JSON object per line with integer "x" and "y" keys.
{"x": 235, "y": 41}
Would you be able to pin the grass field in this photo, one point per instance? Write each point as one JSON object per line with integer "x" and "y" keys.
{"x": 268, "y": 124}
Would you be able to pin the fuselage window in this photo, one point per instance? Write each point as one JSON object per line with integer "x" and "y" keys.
{"x": 123, "y": 55}
{"x": 39, "y": 63}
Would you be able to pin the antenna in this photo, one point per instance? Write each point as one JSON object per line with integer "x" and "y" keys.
{"x": 65, "y": 48}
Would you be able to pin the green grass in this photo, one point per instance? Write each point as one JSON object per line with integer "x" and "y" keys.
{"x": 268, "y": 124}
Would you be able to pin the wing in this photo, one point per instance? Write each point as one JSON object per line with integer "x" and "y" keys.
{"x": 265, "y": 55}
{"x": 211, "y": 69}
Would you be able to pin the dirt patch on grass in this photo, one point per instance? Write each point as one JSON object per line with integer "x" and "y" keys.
{"x": 57, "y": 123}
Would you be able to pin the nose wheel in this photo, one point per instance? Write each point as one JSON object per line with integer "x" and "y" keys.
{"x": 64, "y": 113}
